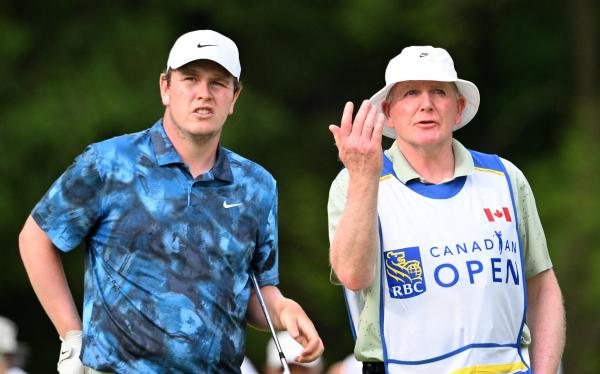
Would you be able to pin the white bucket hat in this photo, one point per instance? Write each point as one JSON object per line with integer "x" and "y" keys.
{"x": 426, "y": 63}
{"x": 205, "y": 45}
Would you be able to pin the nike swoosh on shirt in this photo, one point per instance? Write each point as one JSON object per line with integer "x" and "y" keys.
{"x": 227, "y": 206}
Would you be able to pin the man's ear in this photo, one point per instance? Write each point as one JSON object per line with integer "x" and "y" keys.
{"x": 461, "y": 102}
{"x": 236, "y": 94}
{"x": 385, "y": 109}
{"x": 164, "y": 89}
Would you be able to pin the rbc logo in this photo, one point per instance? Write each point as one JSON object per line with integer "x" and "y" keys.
{"x": 404, "y": 272}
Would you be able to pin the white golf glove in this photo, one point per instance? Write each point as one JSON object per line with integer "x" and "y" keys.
{"x": 68, "y": 361}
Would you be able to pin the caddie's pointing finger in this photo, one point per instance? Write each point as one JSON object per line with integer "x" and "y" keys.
{"x": 343, "y": 130}
{"x": 346, "y": 122}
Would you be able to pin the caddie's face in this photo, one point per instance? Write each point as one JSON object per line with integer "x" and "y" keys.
{"x": 423, "y": 113}
{"x": 198, "y": 99}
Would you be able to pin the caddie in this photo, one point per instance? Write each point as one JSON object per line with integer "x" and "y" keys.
{"x": 439, "y": 247}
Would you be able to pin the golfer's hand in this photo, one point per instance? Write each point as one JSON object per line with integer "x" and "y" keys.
{"x": 359, "y": 141}
{"x": 68, "y": 360}
{"x": 301, "y": 328}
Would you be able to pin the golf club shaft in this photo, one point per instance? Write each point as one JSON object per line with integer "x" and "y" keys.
{"x": 286, "y": 369}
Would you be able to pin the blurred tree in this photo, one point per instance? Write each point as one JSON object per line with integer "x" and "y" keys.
{"x": 570, "y": 181}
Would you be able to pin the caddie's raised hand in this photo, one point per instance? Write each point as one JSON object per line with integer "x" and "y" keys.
{"x": 68, "y": 360}
{"x": 359, "y": 141}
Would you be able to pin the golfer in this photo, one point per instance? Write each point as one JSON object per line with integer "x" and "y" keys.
{"x": 441, "y": 246}
{"x": 173, "y": 223}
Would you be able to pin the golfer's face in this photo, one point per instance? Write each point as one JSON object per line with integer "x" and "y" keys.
{"x": 199, "y": 99}
{"x": 424, "y": 112}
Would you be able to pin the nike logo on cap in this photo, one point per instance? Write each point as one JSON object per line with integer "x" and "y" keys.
{"x": 227, "y": 206}
{"x": 200, "y": 45}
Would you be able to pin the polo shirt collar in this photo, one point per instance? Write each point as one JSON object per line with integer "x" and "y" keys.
{"x": 166, "y": 154}
{"x": 163, "y": 148}
{"x": 222, "y": 168}
{"x": 463, "y": 163}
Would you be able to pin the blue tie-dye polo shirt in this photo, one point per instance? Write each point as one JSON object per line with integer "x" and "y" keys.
{"x": 167, "y": 255}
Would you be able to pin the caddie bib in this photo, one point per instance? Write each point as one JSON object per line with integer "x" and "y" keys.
{"x": 452, "y": 279}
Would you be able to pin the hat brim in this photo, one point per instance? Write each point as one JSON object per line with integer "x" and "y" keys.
{"x": 467, "y": 89}
{"x": 231, "y": 67}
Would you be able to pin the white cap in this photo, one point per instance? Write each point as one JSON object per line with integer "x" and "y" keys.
{"x": 426, "y": 63}
{"x": 291, "y": 349}
{"x": 205, "y": 45}
{"x": 8, "y": 336}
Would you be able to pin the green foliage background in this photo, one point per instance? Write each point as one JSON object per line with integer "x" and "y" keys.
{"x": 78, "y": 72}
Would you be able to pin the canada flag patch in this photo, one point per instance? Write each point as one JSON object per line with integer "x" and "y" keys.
{"x": 498, "y": 214}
